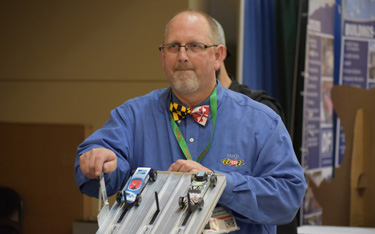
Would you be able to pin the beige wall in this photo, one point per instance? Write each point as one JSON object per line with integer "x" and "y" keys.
{"x": 73, "y": 61}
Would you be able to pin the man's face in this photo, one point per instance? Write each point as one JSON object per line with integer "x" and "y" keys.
{"x": 189, "y": 72}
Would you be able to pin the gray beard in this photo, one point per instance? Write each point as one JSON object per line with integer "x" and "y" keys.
{"x": 185, "y": 84}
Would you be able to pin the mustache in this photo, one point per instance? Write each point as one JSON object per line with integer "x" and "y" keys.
{"x": 183, "y": 67}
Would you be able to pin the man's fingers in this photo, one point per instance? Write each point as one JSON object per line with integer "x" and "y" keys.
{"x": 107, "y": 163}
{"x": 96, "y": 161}
{"x": 98, "y": 165}
{"x": 110, "y": 165}
{"x": 171, "y": 167}
{"x": 177, "y": 166}
{"x": 184, "y": 168}
{"x": 83, "y": 164}
{"x": 187, "y": 166}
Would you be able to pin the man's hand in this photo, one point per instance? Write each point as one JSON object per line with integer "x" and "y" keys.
{"x": 188, "y": 166}
{"x": 97, "y": 160}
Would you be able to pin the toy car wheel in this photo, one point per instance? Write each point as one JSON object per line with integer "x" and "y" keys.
{"x": 200, "y": 203}
{"x": 181, "y": 202}
{"x": 119, "y": 196}
{"x": 138, "y": 200}
{"x": 153, "y": 175}
{"x": 192, "y": 178}
{"x": 213, "y": 180}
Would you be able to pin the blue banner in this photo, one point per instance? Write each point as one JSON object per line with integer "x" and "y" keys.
{"x": 357, "y": 65}
{"x": 317, "y": 137}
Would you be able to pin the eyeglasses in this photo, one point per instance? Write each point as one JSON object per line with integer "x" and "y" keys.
{"x": 192, "y": 47}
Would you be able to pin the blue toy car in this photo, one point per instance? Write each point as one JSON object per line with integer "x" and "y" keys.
{"x": 131, "y": 194}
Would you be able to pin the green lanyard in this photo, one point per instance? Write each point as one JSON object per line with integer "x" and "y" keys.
{"x": 180, "y": 139}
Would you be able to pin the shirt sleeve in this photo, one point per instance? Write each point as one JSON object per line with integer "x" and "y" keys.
{"x": 273, "y": 193}
{"x": 114, "y": 135}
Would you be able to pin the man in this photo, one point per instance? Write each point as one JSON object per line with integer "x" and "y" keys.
{"x": 261, "y": 96}
{"x": 267, "y": 186}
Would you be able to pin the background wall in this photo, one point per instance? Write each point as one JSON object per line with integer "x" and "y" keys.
{"x": 37, "y": 164}
{"x": 72, "y": 62}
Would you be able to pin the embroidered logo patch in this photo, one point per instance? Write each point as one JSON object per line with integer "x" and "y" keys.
{"x": 233, "y": 160}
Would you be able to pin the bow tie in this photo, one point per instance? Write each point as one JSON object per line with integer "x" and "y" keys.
{"x": 199, "y": 113}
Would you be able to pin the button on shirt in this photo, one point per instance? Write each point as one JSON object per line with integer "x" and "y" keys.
{"x": 251, "y": 146}
{"x": 197, "y": 137}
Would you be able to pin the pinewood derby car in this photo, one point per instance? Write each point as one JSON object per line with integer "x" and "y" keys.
{"x": 200, "y": 183}
{"x": 131, "y": 194}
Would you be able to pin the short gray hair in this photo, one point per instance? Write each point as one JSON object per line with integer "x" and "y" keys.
{"x": 220, "y": 31}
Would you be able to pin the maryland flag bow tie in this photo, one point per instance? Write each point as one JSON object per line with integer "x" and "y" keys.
{"x": 199, "y": 113}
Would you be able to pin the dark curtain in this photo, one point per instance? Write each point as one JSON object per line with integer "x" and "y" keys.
{"x": 259, "y": 59}
{"x": 272, "y": 32}
{"x": 286, "y": 17}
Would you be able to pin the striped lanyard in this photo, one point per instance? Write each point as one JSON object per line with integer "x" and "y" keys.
{"x": 181, "y": 140}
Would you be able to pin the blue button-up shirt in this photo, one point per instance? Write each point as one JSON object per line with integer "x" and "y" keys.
{"x": 250, "y": 145}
